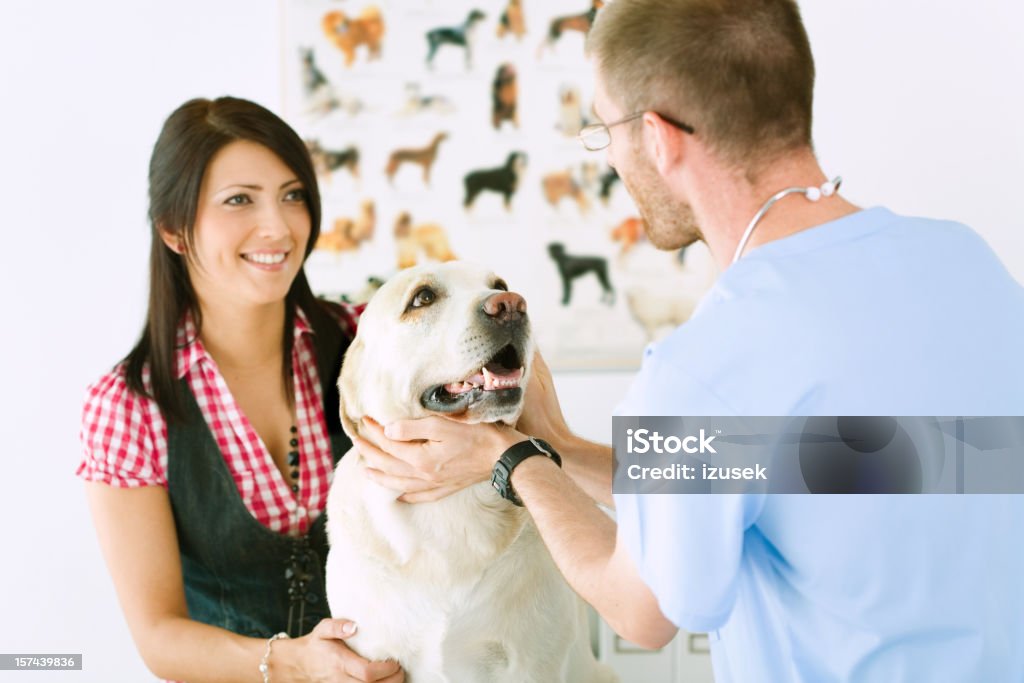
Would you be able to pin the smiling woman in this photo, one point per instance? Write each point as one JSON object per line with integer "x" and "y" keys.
{"x": 250, "y": 239}
{"x": 210, "y": 447}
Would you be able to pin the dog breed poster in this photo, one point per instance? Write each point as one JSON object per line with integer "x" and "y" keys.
{"x": 447, "y": 130}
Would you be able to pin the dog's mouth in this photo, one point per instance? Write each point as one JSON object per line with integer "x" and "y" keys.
{"x": 501, "y": 377}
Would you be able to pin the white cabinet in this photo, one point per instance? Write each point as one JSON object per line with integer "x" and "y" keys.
{"x": 686, "y": 659}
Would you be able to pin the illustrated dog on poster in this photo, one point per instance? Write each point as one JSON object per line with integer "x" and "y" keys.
{"x": 418, "y": 103}
{"x": 348, "y": 233}
{"x": 561, "y": 184}
{"x": 348, "y": 33}
{"x": 504, "y": 96}
{"x": 572, "y": 267}
{"x": 607, "y": 181}
{"x": 428, "y": 239}
{"x": 657, "y": 310}
{"x": 459, "y": 36}
{"x": 461, "y": 589}
{"x": 424, "y": 156}
{"x": 512, "y": 20}
{"x": 570, "y": 111}
{"x": 504, "y": 180}
{"x": 628, "y": 232}
{"x": 315, "y": 87}
{"x": 326, "y": 161}
{"x": 574, "y": 22}
{"x": 321, "y": 97}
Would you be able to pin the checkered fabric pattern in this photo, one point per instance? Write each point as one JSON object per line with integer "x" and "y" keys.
{"x": 125, "y": 435}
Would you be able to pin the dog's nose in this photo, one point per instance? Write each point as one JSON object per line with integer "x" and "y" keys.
{"x": 505, "y": 306}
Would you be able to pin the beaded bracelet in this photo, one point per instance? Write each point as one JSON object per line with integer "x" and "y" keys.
{"x": 265, "y": 662}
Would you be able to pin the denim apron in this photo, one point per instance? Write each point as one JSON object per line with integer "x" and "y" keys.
{"x": 238, "y": 574}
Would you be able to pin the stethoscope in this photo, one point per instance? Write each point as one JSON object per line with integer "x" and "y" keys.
{"x": 813, "y": 194}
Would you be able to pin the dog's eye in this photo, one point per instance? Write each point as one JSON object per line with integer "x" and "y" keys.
{"x": 423, "y": 297}
{"x": 500, "y": 284}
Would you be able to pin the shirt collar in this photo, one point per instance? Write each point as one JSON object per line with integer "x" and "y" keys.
{"x": 190, "y": 350}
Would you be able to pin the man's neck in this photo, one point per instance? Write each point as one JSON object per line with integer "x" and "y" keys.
{"x": 727, "y": 201}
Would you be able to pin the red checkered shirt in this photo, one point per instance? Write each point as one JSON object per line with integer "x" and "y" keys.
{"x": 125, "y": 435}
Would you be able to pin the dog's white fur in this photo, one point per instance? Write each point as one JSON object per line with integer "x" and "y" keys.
{"x": 461, "y": 590}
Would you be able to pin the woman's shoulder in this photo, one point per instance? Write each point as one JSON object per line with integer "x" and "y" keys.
{"x": 112, "y": 388}
{"x": 121, "y": 432}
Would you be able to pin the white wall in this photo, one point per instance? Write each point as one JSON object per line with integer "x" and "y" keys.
{"x": 918, "y": 107}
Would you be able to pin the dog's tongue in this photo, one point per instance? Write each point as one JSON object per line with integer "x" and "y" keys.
{"x": 490, "y": 378}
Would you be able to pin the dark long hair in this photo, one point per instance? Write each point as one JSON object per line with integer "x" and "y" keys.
{"x": 191, "y": 136}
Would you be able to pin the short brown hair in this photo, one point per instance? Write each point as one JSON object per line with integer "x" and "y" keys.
{"x": 740, "y": 71}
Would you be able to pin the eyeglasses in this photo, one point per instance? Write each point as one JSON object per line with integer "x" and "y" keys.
{"x": 596, "y": 136}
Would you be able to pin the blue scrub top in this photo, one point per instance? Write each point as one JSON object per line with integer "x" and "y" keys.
{"x": 872, "y": 314}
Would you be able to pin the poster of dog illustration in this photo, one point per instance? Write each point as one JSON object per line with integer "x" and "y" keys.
{"x": 445, "y": 130}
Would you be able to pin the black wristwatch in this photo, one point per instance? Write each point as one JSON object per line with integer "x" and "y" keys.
{"x": 501, "y": 475}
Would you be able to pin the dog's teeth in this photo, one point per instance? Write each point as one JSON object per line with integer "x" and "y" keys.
{"x": 488, "y": 379}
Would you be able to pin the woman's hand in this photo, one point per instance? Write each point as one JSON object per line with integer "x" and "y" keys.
{"x": 322, "y": 656}
{"x": 433, "y": 457}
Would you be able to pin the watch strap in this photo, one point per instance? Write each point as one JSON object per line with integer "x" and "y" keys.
{"x": 501, "y": 475}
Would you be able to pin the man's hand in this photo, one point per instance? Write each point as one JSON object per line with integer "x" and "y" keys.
{"x": 433, "y": 457}
{"x": 542, "y": 415}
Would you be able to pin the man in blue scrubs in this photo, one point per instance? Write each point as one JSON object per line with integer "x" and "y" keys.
{"x": 822, "y": 308}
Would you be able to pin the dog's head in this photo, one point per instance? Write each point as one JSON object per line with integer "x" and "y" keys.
{"x": 446, "y": 339}
{"x": 402, "y": 224}
{"x": 475, "y": 16}
{"x": 569, "y": 96}
{"x": 557, "y": 250}
{"x": 516, "y": 161}
{"x": 506, "y": 73}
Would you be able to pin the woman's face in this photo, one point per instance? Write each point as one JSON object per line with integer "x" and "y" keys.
{"x": 251, "y": 230}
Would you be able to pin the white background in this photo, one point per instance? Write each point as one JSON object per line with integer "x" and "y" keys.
{"x": 918, "y": 106}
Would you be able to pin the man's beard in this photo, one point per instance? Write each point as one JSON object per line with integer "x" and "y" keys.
{"x": 668, "y": 221}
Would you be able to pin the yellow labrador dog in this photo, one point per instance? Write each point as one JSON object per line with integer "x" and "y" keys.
{"x": 461, "y": 590}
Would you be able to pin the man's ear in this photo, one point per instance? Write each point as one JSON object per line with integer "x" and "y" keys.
{"x": 349, "y": 381}
{"x": 665, "y": 143}
{"x": 173, "y": 240}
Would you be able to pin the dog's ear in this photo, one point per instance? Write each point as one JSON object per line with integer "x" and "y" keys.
{"x": 350, "y": 409}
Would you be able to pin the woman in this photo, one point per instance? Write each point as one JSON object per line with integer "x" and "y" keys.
{"x": 209, "y": 448}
